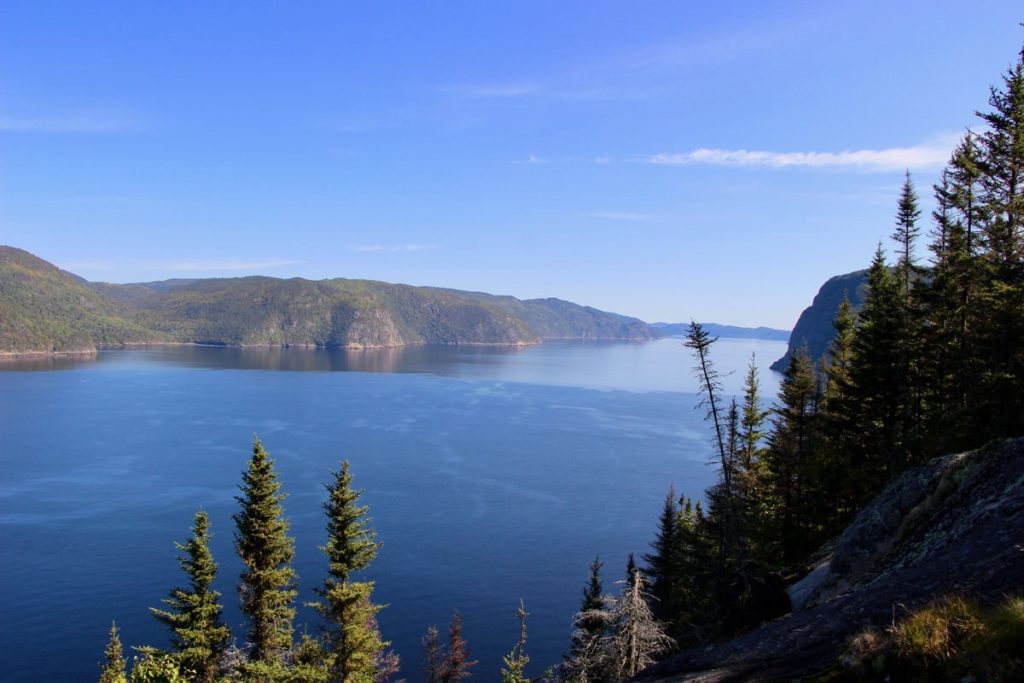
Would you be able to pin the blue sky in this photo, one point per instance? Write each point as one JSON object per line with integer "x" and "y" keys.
{"x": 666, "y": 160}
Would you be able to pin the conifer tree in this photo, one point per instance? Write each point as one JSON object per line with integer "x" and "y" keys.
{"x": 113, "y": 669}
{"x": 433, "y": 659}
{"x": 193, "y": 614}
{"x": 947, "y": 301}
{"x": 638, "y": 638}
{"x": 515, "y": 661}
{"x": 906, "y": 234}
{"x": 835, "y": 414}
{"x": 457, "y": 663}
{"x": 351, "y": 636}
{"x": 908, "y": 377}
{"x": 723, "y": 496}
{"x": 662, "y": 563}
{"x": 752, "y": 420}
{"x": 871, "y": 434}
{"x": 790, "y": 454}
{"x": 593, "y": 601}
{"x": 1002, "y": 294}
{"x": 267, "y": 585}
{"x": 588, "y": 659}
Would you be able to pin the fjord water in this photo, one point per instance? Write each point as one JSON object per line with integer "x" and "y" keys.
{"x": 492, "y": 475}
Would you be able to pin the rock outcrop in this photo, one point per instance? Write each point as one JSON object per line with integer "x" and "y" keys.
{"x": 952, "y": 526}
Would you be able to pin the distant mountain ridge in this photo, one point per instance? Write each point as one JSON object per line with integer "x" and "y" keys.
{"x": 726, "y": 331}
{"x": 45, "y": 309}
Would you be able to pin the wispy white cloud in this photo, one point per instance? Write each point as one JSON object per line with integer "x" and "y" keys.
{"x": 602, "y": 159}
{"x": 924, "y": 156}
{"x": 228, "y": 264}
{"x": 74, "y": 123}
{"x": 624, "y": 216}
{"x": 371, "y": 248}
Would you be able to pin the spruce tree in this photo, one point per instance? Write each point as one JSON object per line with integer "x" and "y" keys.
{"x": 752, "y": 420}
{"x": 193, "y": 614}
{"x": 909, "y": 335}
{"x": 267, "y": 586}
{"x": 906, "y": 234}
{"x": 872, "y": 432}
{"x": 1002, "y": 294}
{"x": 351, "y": 636}
{"x": 662, "y": 562}
{"x": 790, "y": 456}
{"x": 456, "y": 663}
{"x": 588, "y": 660}
{"x": 113, "y": 669}
{"x": 593, "y": 601}
{"x": 433, "y": 657}
{"x": 835, "y": 414}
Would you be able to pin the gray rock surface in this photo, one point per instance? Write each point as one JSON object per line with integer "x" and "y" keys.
{"x": 953, "y": 525}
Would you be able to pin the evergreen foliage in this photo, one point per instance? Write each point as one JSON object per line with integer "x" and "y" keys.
{"x": 662, "y": 562}
{"x": 267, "y": 586}
{"x": 433, "y": 658}
{"x": 193, "y": 614}
{"x": 112, "y": 670}
{"x": 351, "y": 636}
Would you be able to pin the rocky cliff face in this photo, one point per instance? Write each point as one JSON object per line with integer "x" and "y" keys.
{"x": 814, "y": 327}
{"x": 952, "y": 526}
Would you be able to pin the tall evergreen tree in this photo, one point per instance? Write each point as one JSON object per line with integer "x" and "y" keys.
{"x": 908, "y": 378}
{"x": 267, "y": 586}
{"x": 835, "y": 414}
{"x": 790, "y": 453}
{"x": 1002, "y": 294}
{"x": 951, "y": 316}
{"x": 351, "y": 636}
{"x": 662, "y": 562}
{"x": 871, "y": 435}
{"x": 112, "y": 670}
{"x": 193, "y": 614}
{"x": 722, "y": 497}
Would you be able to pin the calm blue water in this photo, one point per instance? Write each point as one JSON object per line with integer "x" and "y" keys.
{"x": 491, "y": 475}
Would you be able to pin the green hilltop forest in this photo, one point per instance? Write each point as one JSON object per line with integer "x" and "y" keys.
{"x": 860, "y": 528}
{"x": 45, "y": 309}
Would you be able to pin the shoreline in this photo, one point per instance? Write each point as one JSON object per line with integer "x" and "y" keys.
{"x": 16, "y": 355}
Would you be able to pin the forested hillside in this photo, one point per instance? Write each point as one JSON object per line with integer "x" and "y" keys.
{"x": 43, "y": 308}
{"x": 46, "y": 309}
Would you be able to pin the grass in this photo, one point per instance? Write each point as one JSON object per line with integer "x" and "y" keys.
{"x": 953, "y": 638}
